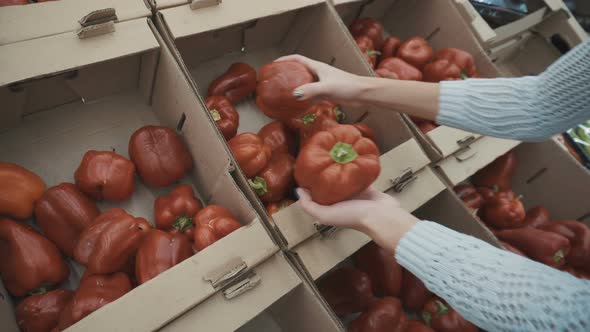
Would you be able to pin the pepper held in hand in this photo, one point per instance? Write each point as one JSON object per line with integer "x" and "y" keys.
{"x": 28, "y": 261}
{"x": 19, "y": 191}
{"x": 384, "y": 315}
{"x": 160, "y": 155}
{"x": 275, "y": 89}
{"x": 381, "y": 266}
{"x": 275, "y": 181}
{"x": 237, "y": 83}
{"x": 95, "y": 292}
{"x": 174, "y": 211}
{"x": 579, "y": 236}
{"x": 112, "y": 239}
{"x": 225, "y": 115}
{"x": 158, "y": 252}
{"x": 347, "y": 290}
{"x": 337, "y": 164}
{"x": 442, "y": 318}
{"x": 545, "y": 247}
{"x": 250, "y": 152}
{"x": 416, "y": 52}
{"x": 502, "y": 211}
{"x": 106, "y": 175}
{"x": 212, "y": 224}
{"x": 63, "y": 213}
{"x": 40, "y": 313}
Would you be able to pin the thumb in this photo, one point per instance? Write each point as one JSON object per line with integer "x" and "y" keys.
{"x": 309, "y": 91}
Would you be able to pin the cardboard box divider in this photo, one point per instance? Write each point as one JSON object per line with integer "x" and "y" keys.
{"x": 528, "y": 45}
{"x": 208, "y": 40}
{"x": 97, "y": 103}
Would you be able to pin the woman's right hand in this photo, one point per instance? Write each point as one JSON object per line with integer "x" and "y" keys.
{"x": 333, "y": 84}
{"x": 372, "y": 212}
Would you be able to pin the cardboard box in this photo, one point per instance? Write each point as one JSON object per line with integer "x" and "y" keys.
{"x": 546, "y": 175}
{"x": 209, "y": 39}
{"x": 92, "y": 91}
{"x": 530, "y": 44}
{"x": 445, "y": 208}
{"x": 442, "y": 25}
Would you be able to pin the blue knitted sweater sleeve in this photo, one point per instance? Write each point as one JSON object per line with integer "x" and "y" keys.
{"x": 493, "y": 288}
{"x": 527, "y": 108}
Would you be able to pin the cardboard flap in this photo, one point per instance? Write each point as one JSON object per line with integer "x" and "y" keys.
{"x": 183, "y": 21}
{"x": 58, "y": 53}
{"x": 396, "y": 163}
{"x": 96, "y": 30}
{"x": 98, "y": 16}
{"x": 19, "y": 23}
{"x": 450, "y": 139}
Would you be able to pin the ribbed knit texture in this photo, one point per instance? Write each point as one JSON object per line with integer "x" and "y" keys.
{"x": 493, "y": 288}
{"x": 526, "y": 108}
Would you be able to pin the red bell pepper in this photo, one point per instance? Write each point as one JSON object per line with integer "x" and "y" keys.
{"x": 13, "y": 2}
{"x": 384, "y": 315}
{"x": 274, "y": 92}
{"x": 40, "y": 313}
{"x": 390, "y": 47}
{"x": 461, "y": 58}
{"x": 417, "y": 326}
{"x": 416, "y": 52}
{"x": 537, "y": 217}
{"x": 212, "y": 224}
{"x": 366, "y": 131}
{"x": 337, "y": 164}
{"x": 313, "y": 126}
{"x": 28, "y": 261}
{"x": 469, "y": 195}
{"x": 347, "y": 290}
{"x": 441, "y": 70}
{"x": 498, "y": 174}
{"x": 512, "y": 249}
{"x": 225, "y": 115}
{"x": 20, "y": 190}
{"x": 370, "y": 28}
{"x": 276, "y": 180}
{"x": 321, "y": 110}
{"x": 504, "y": 210}
{"x": 278, "y": 137}
{"x": 578, "y": 235}
{"x": 414, "y": 293}
{"x": 160, "y": 155}
{"x": 250, "y": 152}
{"x": 237, "y": 83}
{"x": 106, "y": 175}
{"x": 545, "y": 247}
{"x": 158, "y": 252}
{"x": 174, "y": 212}
{"x": 401, "y": 70}
{"x": 368, "y": 49}
{"x": 110, "y": 241}
{"x": 381, "y": 267}
{"x": 95, "y": 292}
{"x": 63, "y": 213}
{"x": 275, "y": 207}
{"x": 442, "y": 318}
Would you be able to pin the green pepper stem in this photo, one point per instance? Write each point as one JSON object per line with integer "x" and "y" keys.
{"x": 215, "y": 114}
{"x": 343, "y": 153}
{"x": 340, "y": 115}
{"x": 441, "y": 308}
{"x": 373, "y": 52}
{"x": 183, "y": 223}
{"x": 427, "y": 318}
{"x": 308, "y": 118}
{"x": 44, "y": 288}
{"x": 463, "y": 75}
{"x": 259, "y": 186}
{"x": 559, "y": 256}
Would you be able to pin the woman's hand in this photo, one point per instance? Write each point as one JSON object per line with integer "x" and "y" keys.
{"x": 333, "y": 84}
{"x": 372, "y": 212}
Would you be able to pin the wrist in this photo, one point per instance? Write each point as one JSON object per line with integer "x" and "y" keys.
{"x": 387, "y": 230}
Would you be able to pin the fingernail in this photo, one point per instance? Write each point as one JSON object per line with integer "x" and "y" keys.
{"x": 298, "y": 93}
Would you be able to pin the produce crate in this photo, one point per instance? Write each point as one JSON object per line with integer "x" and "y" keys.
{"x": 442, "y": 25}
{"x": 445, "y": 208}
{"x": 546, "y": 175}
{"x": 207, "y": 40}
{"x": 72, "y": 95}
{"x": 529, "y": 45}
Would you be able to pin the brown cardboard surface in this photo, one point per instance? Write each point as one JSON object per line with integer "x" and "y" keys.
{"x": 18, "y": 23}
{"x": 263, "y": 40}
{"x": 98, "y": 107}
{"x": 441, "y": 23}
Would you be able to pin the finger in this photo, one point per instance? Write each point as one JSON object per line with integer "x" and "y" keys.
{"x": 309, "y": 91}
{"x": 312, "y": 65}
